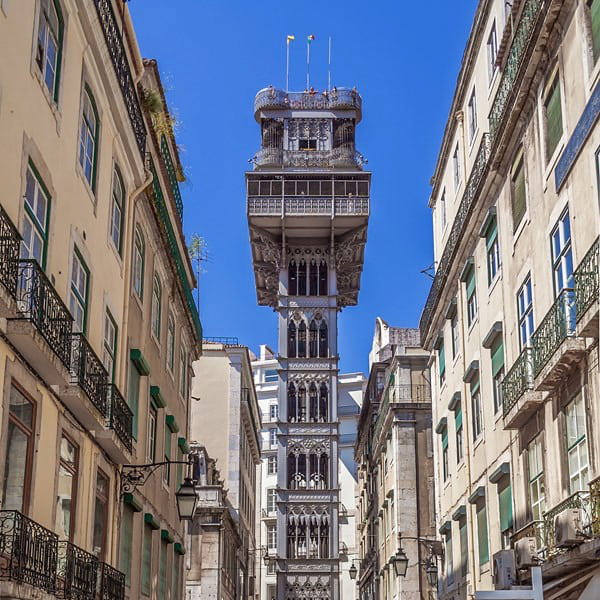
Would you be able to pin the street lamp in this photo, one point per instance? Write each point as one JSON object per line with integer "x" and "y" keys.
{"x": 400, "y": 562}
{"x": 186, "y": 500}
{"x": 353, "y": 571}
{"x": 432, "y": 574}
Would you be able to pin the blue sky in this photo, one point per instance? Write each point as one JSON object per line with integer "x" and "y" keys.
{"x": 402, "y": 56}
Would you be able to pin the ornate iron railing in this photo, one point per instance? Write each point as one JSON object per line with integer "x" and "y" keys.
{"x": 114, "y": 41}
{"x": 77, "y": 573}
{"x": 112, "y": 583}
{"x": 556, "y": 326}
{"x": 264, "y": 206}
{"x": 28, "y": 551}
{"x": 261, "y": 205}
{"x": 38, "y": 302}
{"x": 300, "y": 205}
{"x": 579, "y": 500}
{"x": 227, "y": 340}
{"x": 340, "y": 98}
{"x": 301, "y": 159}
{"x": 351, "y": 206}
{"x": 166, "y": 155}
{"x": 516, "y": 58}
{"x": 120, "y": 416}
{"x": 533, "y": 529}
{"x": 586, "y": 280}
{"x": 9, "y": 253}
{"x": 88, "y": 372}
{"x": 595, "y": 506}
{"x": 518, "y": 380}
{"x": 463, "y": 214}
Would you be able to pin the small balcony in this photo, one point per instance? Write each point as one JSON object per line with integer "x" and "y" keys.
{"x": 533, "y": 530}
{"x": 77, "y": 574}
{"x": 586, "y": 292}
{"x": 519, "y": 398}
{"x": 112, "y": 583}
{"x": 41, "y": 330}
{"x": 117, "y": 437}
{"x": 9, "y": 262}
{"x": 556, "y": 347}
{"x": 28, "y": 552}
{"x": 309, "y": 159}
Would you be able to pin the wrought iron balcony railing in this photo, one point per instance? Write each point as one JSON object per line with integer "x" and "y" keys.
{"x": 556, "y": 326}
{"x": 9, "y": 253}
{"x": 77, "y": 573}
{"x": 340, "y": 98}
{"x": 517, "y": 53}
{"x": 303, "y": 159}
{"x": 518, "y": 380}
{"x": 166, "y": 155}
{"x": 533, "y": 529}
{"x": 114, "y": 41}
{"x": 586, "y": 280}
{"x": 226, "y": 340}
{"x": 595, "y": 506}
{"x": 28, "y": 551}
{"x": 472, "y": 190}
{"x": 39, "y": 303}
{"x": 120, "y": 416}
{"x": 308, "y": 205}
{"x": 112, "y": 583}
{"x": 88, "y": 372}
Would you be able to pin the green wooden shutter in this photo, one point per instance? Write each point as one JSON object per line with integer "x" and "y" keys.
{"x": 474, "y": 385}
{"x": 442, "y": 359}
{"x": 497, "y": 354}
{"x": 554, "y": 126}
{"x": 505, "y": 504}
{"x": 482, "y": 535}
{"x": 133, "y": 396}
{"x": 126, "y": 534}
{"x": 146, "y": 583}
{"x": 458, "y": 419}
{"x": 491, "y": 234}
{"x": 464, "y": 547}
{"x": 519, "y": 194}
{"x": 595, "y": 27}
{"x": 445, "y": 438}
{"x": 162, "y": 570}
{"x": 471, "y": 283}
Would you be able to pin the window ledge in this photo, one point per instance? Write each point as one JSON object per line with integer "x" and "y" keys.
{"x": 549, "y": 169}
{"x": 472, "y": 325}
{"x": 86, "y": 184}
{"x": 494, "y": 283}
{"x": 517, "y": 233}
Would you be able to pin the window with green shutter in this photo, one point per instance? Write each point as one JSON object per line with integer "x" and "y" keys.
{"x": 175, "y": 591}
{"x": 492, "y": 250}
{"x": 146, "y": 582}
{"x": 471, "y": 295}
{"x": 518, "y": 191}
{"x": 126, "y": 534}
{"x": 594, "y": 8}
{"x": 482, "y": 534}
{"x": 442, "y": 361}
{"x": 497, "y": 359}
{"x": 464, "y": 546}
{"x": 553, "y": 116}
{"x": 133, "y": 396}
{"x": 505, "y": 511}
{"x": 162, "y": 570}
{"x": 167, "y": 469}
{"x": 458, "y": 425}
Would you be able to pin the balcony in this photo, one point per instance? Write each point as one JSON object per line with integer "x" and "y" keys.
{"x": 209, "y": 496}
{"x": 519, "y": 398}
{"x": 306, "y": 205}
{"x": 9, "y": 260}
{"x": 586, "y": 292}
{"x": 28, "y": 552}
{"x": 112, "y": 583}
{"x": 555, "y": 344}
{"x": 172, "y": 176}
{"x": 117, "y": 437}
{"x": 308, "y": 159}
{"x": 77, "y": 573}
{"x": 535, "y": 530}
{"x": 41, "y": 331}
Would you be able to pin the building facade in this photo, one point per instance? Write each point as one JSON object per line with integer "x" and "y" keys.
{"x": 75, "y": 180}
{"x": 394, "y": 453}
{"x": 308, "y": 207}
{"x": 350, "y": 386}
{"x": 230, "y": 431}
{"x": 512, "y": 316}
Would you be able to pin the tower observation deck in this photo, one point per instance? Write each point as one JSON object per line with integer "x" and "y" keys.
{"x": 308, "y": 211}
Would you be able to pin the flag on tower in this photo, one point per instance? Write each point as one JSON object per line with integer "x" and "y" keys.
{"x": 310, "y": 38}
{"x": 290, "y": 38}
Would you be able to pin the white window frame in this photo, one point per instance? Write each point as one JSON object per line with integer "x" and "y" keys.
{"x": 88, "y": 134}
{"x": 156, "y": 307}
{"x": 536, "y": 485}
{"x": 562, "y": 256}
{"x": 109, "y": 345}
{"x": 577, "y": 448}
{"x": 492, "y": 53}
{"x": 525, "y": 313}
{"x": 78, "y": 292}
{"x": 170, "y": 358}
{"x": 456, "y": 167}
{"x": 117, "y": 210}
{"x": 34, "y": 232}
{"x": 472, "y": 116}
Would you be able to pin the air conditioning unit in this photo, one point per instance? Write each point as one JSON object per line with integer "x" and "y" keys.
{"x": 568, "y": 528}
{"x": 526, "y": 555}
{"x": 504, "y": 570}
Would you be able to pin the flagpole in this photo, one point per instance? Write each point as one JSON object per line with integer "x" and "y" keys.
{"x": 307, "y": 64}
{"x": 287, "y": 65}
{"x": 329, "y": 67}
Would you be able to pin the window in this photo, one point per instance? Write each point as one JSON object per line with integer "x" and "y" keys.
{"x": 133, "y": 396}
{"x": 151, "y": 442}
{"x": 471, "y": 295}
{"x": 271, "y": 500}
{"x": 482, "y": 534}
{"x": 594, "y": 23}
{"x": 273, "y": 412}
{"x": 272, "y": 537}
{"x": 155, "y": 317}
{"x": 19, "y": 452}
{"x": 476, "y": 409}
{"x": 562, "y": 255}
{"x": 146, "y": 582}
{"x": 518, "y": 191}
{"x": 537, "y": 491}
{"x": 445, "y": 472}
{"x": 34, "y": 233}
{"x": 49, "y": 45}
{"x": 273, "y": 437}
{"x": 117, "y": 209}
{"x": 497, "y": 358}
{"x": 271, "y": 375}
{"x": 442, "y": 362}
{"x": 492, "y": 53}
{"x": 170, "y": 343}
{"x": 167, "y": 470}
{"x": 525, "y": 312}
{"x": 454, "y": 332}
{"x": 78, "y": 297}
{"x": 271, "y": 592}
{"x": 176, "y": 568}
{"x": 162, "y": 570}
{"x": 577, "y": 450}
{"x": 464, "y": 546}
{"x": 492, "y": 251}
{"x": 66, "y": 495}
{"x": 552, "y": 115}
{"x": 456, "y": 167}
{"x": 139, "y": 251}
{"x": 183, "y": 372}
{"x": 271, "y": 465}
{"x": 126, "y": 536}
{"x": 88, "y": 137}
{"x": 100, "y": 515}
{"x": 448, "y": 558}
{"x": 458, "y": 424}
{"x": 472, "y": 116}
{"x": 443, "y": 212}
{"x": 109, "y": 351}
{"x": 505, "y": 511}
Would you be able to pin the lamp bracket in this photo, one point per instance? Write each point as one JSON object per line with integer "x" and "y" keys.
{"x": 134, "y": 476}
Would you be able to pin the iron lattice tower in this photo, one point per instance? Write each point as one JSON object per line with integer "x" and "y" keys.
{"x": 308, "y": 211}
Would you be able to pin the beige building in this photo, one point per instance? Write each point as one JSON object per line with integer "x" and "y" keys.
{"x": 395, "y": 503}
{"x": 78, "y": 365}
{"x": 226, "y": 419}
{"x": 512, "y": 316}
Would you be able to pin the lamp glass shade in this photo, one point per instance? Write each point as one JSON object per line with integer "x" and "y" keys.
{"x": 267, "y": 559}
{"x": 186, "y": 500}
{"x": 353, "y": 572}
{"x": 432, "y": 574}
{"x": 400, "y": 561}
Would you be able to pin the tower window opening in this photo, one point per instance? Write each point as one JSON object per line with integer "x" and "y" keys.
{"x": 307, "y": 279}
{"x": 302, "y": 340}
{"x": 308, "y": 535}
{"x": 323, "y": 340}
{"x": 292, "y": 341}
{"x": 307, "y": 144}
{"x": 308, "y": 470}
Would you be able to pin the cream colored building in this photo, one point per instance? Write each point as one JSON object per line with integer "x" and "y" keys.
{"x": 225, "y": 419}
{"x": 512, "y": 316}
{"x": 394, "y": 495}
{"x": 75, "y": 187}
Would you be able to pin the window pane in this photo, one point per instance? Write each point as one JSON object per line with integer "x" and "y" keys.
{"x": 554, "y": 128}
{"x": 15, "y": 472}
{"x": 20, "y": 407}
{"x": 126, "y": 534}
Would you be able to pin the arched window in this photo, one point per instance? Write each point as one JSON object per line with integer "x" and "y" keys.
{"x": 292, "y": 403}
{"x": 313, "y": 403}
{"x": 313, "y": 278}
{"x": 322, "y": 278}
{"x": 88, "y": 137}
{"x": 308, "y": 537}
{"x": 293, "y": 278}
{"x": 301, "y": 412}
{"x": 117, "y": 209}
{"x": 155, "y": 317}
{"x": 139, "y": 257}
{"x": 313, "y": 337}
{"x": 49, "y": 43}
{"x": 302, "y": 277}
{"x": 323, "y": 403}
{"x": 292, "y": 340}
{"x": 323, "y": 340}
{"x": 302, "y": 340}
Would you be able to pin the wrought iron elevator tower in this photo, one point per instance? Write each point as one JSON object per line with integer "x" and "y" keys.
{"x": 308, "y": 211}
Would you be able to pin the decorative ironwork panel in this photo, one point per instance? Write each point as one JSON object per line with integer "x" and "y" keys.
{"x": 77, "y": 573}
{"x": 39, "y": 303}
{"x": 118, "y": 55}
{"x": 579, "y": 500}
{"x": 340, "y": 99}
{"x": 586, "y": 280}
{"x": 264, "y": 206}
{"x": 88, "y": 372}
{"x": 518, "y": 380}
{"x": 351, "y": 206}
{"x": 120, "y": 417}
{"x": 28, "y": 551}
{"x": 303, "y": 205}
{"x": 166, "y": 155}
{"x": 112, "y": 583}
{"x": 9, "y": 253}
{"x": 595, "y": 505}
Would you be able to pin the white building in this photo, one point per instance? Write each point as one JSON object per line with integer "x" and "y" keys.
{"x": 350, "y": 391}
